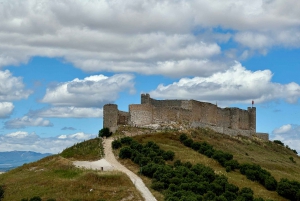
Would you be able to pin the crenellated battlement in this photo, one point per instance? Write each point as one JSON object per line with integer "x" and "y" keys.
{"x": 232, "y": 121}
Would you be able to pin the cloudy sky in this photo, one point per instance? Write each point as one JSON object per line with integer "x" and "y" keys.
{"x": 61, "y": 61}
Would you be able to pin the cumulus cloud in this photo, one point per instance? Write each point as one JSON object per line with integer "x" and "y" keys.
{"x": 6, "y": 109}
{"x": 67, "y": 112}
{"x": 143, "y": 36}
{"x": 24, "y": 141}
{"x": 93, "y": 91}
{"x": 236, "y": 85}
{"x": 12, "y": 88}
{"x": 289, "y": 134}
{"x": 26, "y": 122}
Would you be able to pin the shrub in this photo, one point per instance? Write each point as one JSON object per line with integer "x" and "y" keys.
{"x": 116, "y": 144}
{"x": 188, "y": 142}
{"x": 289, "y": 189}
{"x": 1, "y": 192}
{"x": 168, "y": 155}
{"x": 233, "y": 164}
{"x": 158, "y": 186}
{"x": 183, "y": 137}
{"x": 104, "y": 132}
{"x": 125, "y": 152}
{"x": 35, "y": 198}
{"x": 270, "y": 183}
{"x": 292, "y": 159}
{"x": 278, "y": 142}
{"x": 196, "y": 146}
{"x": 126, "y": 140}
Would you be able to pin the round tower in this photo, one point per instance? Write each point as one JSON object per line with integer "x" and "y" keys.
{"x": 110, "y": 117}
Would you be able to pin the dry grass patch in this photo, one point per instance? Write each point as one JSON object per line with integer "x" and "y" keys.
{"x": 56, "y": 177}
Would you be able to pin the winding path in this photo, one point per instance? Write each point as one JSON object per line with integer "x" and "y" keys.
{"x": 136, "y": 180}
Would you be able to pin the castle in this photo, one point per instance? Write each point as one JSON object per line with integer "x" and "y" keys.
{"x": 230, "y": 121}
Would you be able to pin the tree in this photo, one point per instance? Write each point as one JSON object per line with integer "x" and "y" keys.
{"x": 104, "y": 132}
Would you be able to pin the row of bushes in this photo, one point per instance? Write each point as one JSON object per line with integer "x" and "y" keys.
{"x": 184, "y": 181}
{"x": 254, "y": 172}
{"x": 180, "y": 181}
{"x": 142, "y": 154}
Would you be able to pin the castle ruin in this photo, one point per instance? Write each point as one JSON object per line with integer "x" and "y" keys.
{"x": 230, "y": 121}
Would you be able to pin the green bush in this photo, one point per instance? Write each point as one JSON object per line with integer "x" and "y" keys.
{"x": 183, "y": 137}
{"x": 188, "y": 142}
{"x": 168, "y": 155}
{"x": 126, "y": 140}
{"x": 125, "y": 152}
{"x": 1, "y": 192}
{"x": 104, "y": 132}
{"x": 289, "y": 189}
{"x": 116, "y": 144}
{"x": 36, "y": 198}
{"x": 278, "y": 142}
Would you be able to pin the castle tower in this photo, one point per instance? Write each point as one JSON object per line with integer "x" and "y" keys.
{"x": 252, "y": 118}
{"x": 234, "y": 120}
{"x": 110, "y": 117}
{"x": 145, "y": 99}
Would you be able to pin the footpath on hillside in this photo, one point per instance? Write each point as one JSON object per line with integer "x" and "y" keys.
{"x": 136, "y": 180}
{"x": 110, "y": 163}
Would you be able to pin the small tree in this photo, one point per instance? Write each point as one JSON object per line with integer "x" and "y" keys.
{"x": 104, "y": 132}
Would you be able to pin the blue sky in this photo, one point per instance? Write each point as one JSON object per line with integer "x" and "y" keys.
{"x": 61, "y": 61}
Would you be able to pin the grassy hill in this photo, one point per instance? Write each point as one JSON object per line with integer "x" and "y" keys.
{"x": 280, "y": 161}
{"x": 55, "y": 176}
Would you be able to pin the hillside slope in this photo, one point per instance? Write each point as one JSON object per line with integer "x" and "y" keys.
{"x": 56, "y": 177}
{"x": 278, "y": 160}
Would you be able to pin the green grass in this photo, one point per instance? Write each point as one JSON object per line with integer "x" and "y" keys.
{"x": 89, "y": 150}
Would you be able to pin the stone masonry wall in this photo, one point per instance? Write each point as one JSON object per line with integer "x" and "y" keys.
{"x": 140, "y": 114}
{"x": 232, "y": 121}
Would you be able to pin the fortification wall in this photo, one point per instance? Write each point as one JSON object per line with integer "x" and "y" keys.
{"x": 223, "y": 117}
{"x": 167, "y": 115}
{"x": 123, "y": 118}
{"x": 230, "y": 121}
{"x": 204, "y": 112}
{"x": 140, "y": 114}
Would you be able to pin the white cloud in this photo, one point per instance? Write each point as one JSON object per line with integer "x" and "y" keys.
{"x": 11, "y": 88}
{"x": 26, "y": 122}
{"x": 93, "y": 91}
{"x": 24, "y": 141}
{"x": 236, "y": 85}
{"x": 289, "y": 134}
{"x": 283, "y": 129}
{"x": 68, "y": 112}
{"x": 6, "y": 109}
{"x": 139, "y": 36}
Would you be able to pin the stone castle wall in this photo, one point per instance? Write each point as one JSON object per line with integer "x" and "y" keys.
{"x": 233, "y": 121}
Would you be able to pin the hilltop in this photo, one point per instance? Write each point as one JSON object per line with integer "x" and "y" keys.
{"x": 56, "y": 177}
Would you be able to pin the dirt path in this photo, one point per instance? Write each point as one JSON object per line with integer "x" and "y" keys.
{"x": 137, "y": 181}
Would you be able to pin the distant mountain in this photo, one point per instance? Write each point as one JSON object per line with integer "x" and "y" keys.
{"x": 13, "y": 159}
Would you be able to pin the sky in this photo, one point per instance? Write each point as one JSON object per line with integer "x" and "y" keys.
{"x": 61, "y": 61}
